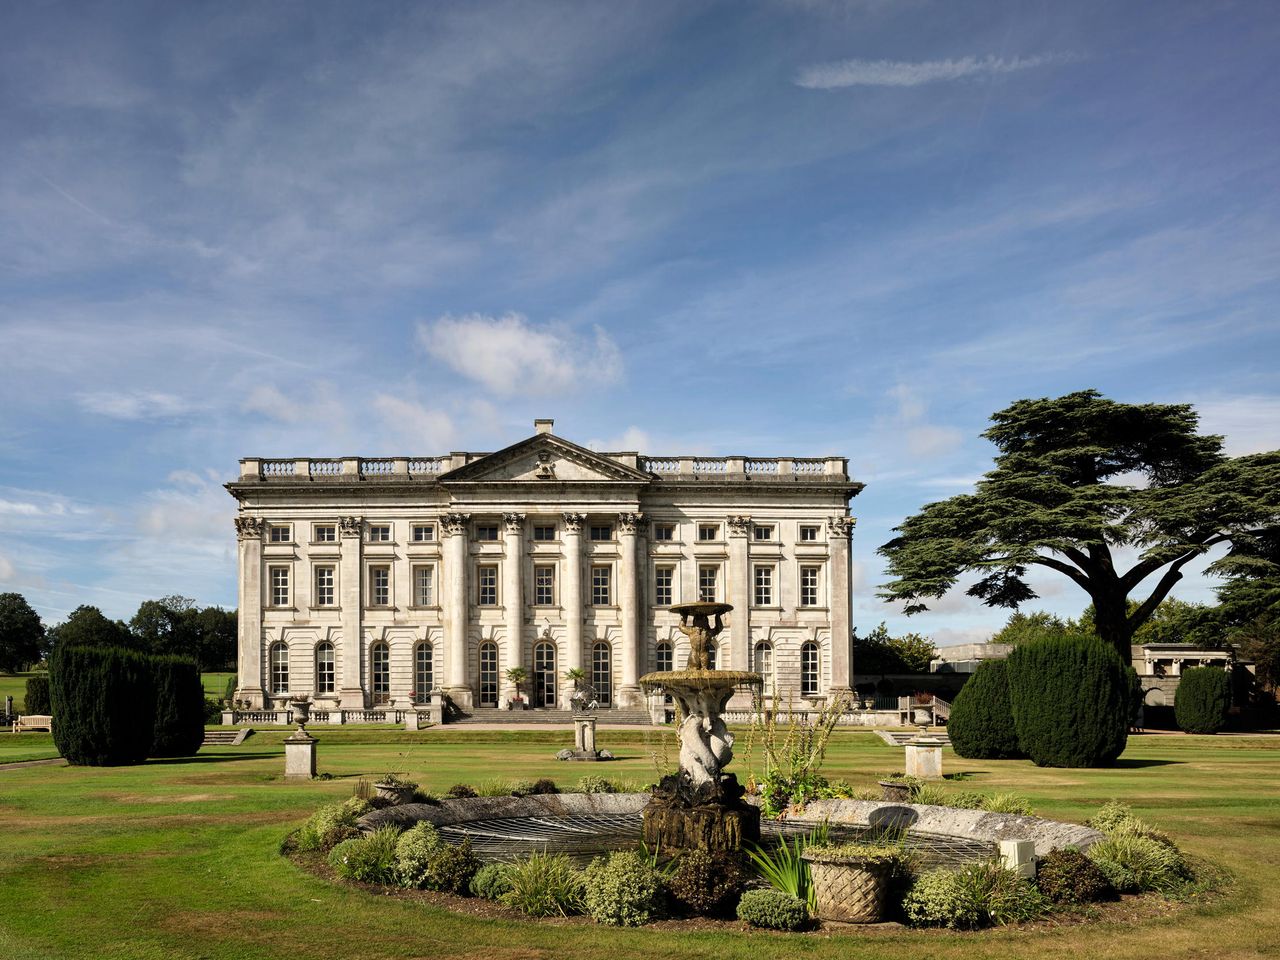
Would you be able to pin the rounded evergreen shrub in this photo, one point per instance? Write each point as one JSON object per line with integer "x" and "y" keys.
{"x": 491, "y": 881}
{"x": 104, "y": 703}
{"x": 1203, "y": 697}
{"x": 622, "y": 890}
{"x": 976, "y": 895}
{"x": 1070, "y": 701}
{"x": 414, "y": 850}
{"x": 330, "y": 825}
{"x": 1068, "y": 876}
{"x": 773, "y": 910}
{"x": 179, "y": 729}
{"x": 37, "y": 697}
{"x": 594, "y": 784}
{"x": 707, "y": 884}
{"x": 451, "y": 868}
{"x": 981, "y": 725}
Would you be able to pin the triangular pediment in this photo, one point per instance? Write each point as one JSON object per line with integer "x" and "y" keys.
{"x": 545, "y": 458}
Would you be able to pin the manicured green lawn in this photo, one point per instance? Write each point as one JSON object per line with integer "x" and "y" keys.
{"x": 14, "y": 685}
{"x": 179, "y": 859}
{"x": 215, "y": 684}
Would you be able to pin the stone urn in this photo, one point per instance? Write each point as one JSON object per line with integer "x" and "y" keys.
{"x": 922, "y": 716}
{"x": 394, "y": 789}
{"x": 895, "y": 791}
{"x": 300, "y": 711}
{"x": 850, "y": 882}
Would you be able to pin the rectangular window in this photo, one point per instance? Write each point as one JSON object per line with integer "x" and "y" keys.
{"x": 326, "y": 533}
{"x": 601, "y": 580}
{"x": 708, "y": 575}
{"x": 379, "y": 586}
{"x": 280, "y": 533}
{"x": 424, "y": 532}
{"x": 544, "y": 585}
{"x": 324, "y": 586}
{"x": 663, "y": 577}
{"x": 487, "y": 584}
{"x": 664, "y": 531}
{"x": 708, "y": 531}
{"x": 544, "y": 532}
{"x": 602, "y": 531}
{"x": 279, "y": 586}
{"x": 808, "y": 534}
{"x": 379, "y": 533}
{"x": 486, "y": 533}
{"x": 763, "y": 532}
{"x": 808, "y": 586}
{"x": 764, "y": 586}
{"x": 424, "y": 586}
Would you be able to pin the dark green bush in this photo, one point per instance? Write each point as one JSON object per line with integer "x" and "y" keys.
{"x": 773, "y": 910}
{"x": 976, "y": 895}
{"x": 981, "y": 725}
{"x": 1068, "y": 876}
{"x": 367, "y": 859}
{"x": 104, "y": 703}
{"x": 622, "y": 890}
{"x": 37, "y": 698}
{"x": 331, "y": 824}
{"x": 460, "y": 791}
{"x": 1203, "y": 697}
{"x": 452, "y": 868}
{"x": 530, "y": 788}
{"x": 414, "y": 851}
{"x": 1070, "y": 699}
{"x": 593, "y": 784}
{"x": 179, "y": 728}
{"x": 708, "y": 884}
{"x": 491, "y": 881}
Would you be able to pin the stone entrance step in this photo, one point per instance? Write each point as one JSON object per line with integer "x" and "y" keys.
{"x": 899, "y": 738}
{"x": 225, "y": 738}
{"x": 549, "y": 715}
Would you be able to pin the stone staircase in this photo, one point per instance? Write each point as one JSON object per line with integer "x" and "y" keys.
{"x": 225, "y": 738}
{"x": 546, "y": 715}
{"x": 898, "y": 738}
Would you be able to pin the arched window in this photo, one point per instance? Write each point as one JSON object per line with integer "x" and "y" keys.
{"x": 279, "y": 660}
{"x": 809, "y": 669}
{"x": 324, "y": 669}
{"x": 488, "y": 674}
{"x": 665, "y": 656}
{"x": 602, "y": 672}
{"x": 544, "y": 674}
{"x": 762, "y": 663}
{"x": 380, "y": 673}
{"x": 424, "y": 675}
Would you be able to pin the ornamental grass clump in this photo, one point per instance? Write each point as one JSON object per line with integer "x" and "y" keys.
{"x": 544, "y": 885}
{"x": 977, "y": 895}
{"x": 773, "y": 910}
{"x": 622, "y": 890}
{"x": 367, "y": 859}
{"x": 1067, "y": 876}
{"x": 1135, "y": 862}
{"x": 704, "y": 884}
{"x": 1006, "y": 803}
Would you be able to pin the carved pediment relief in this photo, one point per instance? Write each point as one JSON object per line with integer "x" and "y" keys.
{"x": 545, "y": 458}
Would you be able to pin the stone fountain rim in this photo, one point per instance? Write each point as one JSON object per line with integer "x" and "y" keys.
{"x": 709, "y": 679}
{"x": 707, "y": 608}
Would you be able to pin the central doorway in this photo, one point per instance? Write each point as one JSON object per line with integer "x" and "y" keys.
{"x": 544, "y": 674}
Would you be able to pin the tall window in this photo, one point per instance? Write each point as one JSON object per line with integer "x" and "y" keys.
{"x": 808, "y": 586}
{"x": 544, "y": 674}
{"x": 279, "y": 586}
{"x": 544, "y": 531}
{"x": 424, "y": 532}
{"x": 325, "y": 533}
{"x": 380, "y": 586}
{"x": 809, "y": 669}
{"x": 324, "y": 669}
{"x": 708, "y": 575}
{"x": 664, "y": 531}
{"x": 487, "y": 585}
{"x": 664, "y": 656}
{"x": 600, "y": 586}
{"x": 279, "y": 533}
{"x": 324, "y": 586}
{"x": 424, "y": 675}
{"x": 764, "y": 586}
{"x": 279, "y": 660}
{"x": 380, "y": 673}
{"x": 663, "y": 577}
{"x": 602, "y": 531}
{"x": 762, "y": 663}
{"x": 379, "y": 533}
{"x": 544, "y": 585}
{"x": 424, "y": 585}
{"x": 602, "y": 672}
{"x": 488, "y": 674}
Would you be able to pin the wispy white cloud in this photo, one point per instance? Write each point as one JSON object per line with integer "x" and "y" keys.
{"x": 140, "y": 405}
{"x": 1249, "y": 424}
{"x": 903, "y": 73}
{"x": 411, "y": 423}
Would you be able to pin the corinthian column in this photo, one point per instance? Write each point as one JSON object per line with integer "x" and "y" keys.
{"x": 571, "y": 600}
{"x": 513, "y": 598}
{"x": 351, "y": 589}
{"x": 739, "y": 594}
{"x": 455, "y": 611}
{"x": 628, "y": 601}
{"x": 249, "y": 629}
{"x": 839, "y": 530}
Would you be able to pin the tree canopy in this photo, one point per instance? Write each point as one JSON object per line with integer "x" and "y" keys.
{"x": 87, "y": 626}
{"x": 879, "y": 652}
{"x": 21, "y": 633}
{"x": 1077, "y": 477}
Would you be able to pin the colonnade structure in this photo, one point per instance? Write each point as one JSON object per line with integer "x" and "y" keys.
{"x": 381, "y": 583}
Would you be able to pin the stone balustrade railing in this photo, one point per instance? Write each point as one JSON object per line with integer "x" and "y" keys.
{"x": 740, "y": 468}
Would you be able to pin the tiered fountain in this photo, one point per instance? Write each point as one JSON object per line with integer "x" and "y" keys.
{"x": 701, "y": 806}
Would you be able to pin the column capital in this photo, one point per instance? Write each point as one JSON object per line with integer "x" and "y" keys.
{"x": 841, "y": 527}
{"x": 739, "y": 525}
{"x": 454, "y": 524}
{"x": 351, "y": 526}
{"x": 629, "y": 523}
{"x": 573, "y": 522}
{"x": 249, "y": 528}
{"x": 514, "y": 522}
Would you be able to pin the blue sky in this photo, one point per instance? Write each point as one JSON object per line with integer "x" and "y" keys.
{"x": 751, "y": 228}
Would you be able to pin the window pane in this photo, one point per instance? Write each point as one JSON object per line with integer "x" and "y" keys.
{"x": 423, "y": 532}
{"x": 379, "y": 586}
{"x": 279, "y": 658}
{"x": 488, "y": 674}
{"x": 600, "y": 580}
{"x": 808, "y": 586}
{"x": 424, "y": 586}
{"x": 602, "y": 532}
{"x": 602, "y": 673}
{"x": 544, "y": 532}
{"x": 324, "y": 586}
{"x": 279, "y": 586}
{"x": 324, "y": 668}
{"x": 423, "y": 672}
{"x": 662, "y": 583}
{"x": 487, "y": 580}
{"x": 809, "y": 670}
{"x": 326, "y": 533}
{"x": 707, "y": 577}
{"x": 544, "y": 585}
{"x": 764, "y": 586}
{"x": 665, "y": 656}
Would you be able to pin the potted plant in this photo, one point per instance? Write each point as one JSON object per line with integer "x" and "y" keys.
{"x": 850, "y": 880}
{"x": 517, "y": 676}
{"x": 897, "y": 787}
{"x": 922, "y": 701}
{"x": 395, "y": 788}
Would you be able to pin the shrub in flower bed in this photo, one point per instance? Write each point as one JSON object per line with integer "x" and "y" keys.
{"x": 976, "y": 895}
{"x": 451, "y": 868}
{"x": 331, "y": 824}
{"x": 593, "y": 784}
{"x": 1068, "y": 876}
{"x": 414, "y": 850}
{"x": 1135, "y": 863}
{"x": 707, "y": 884}
{"x": 773, "y": 910}
{"x": 368, "y": 859}
{"x": 530, "y": 788}
{"x": 544, "y": 885}
{"x": 622, "y": 890}
{"x": 460, "y": 791}
{"x": 491, "y": 881}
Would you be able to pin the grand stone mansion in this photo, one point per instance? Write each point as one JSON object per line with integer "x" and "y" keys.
{"x": 367, "y": 583}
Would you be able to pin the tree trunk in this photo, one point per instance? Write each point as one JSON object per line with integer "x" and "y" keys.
{"x": 1111, "y": 621}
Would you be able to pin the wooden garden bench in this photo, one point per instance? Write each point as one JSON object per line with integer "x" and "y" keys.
{"x": 33, "y": 722}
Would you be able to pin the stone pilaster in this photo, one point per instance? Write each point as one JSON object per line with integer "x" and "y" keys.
{"x": 739, "y": 593}
{"x": 629, "y": 694}
{"x": 839, "y": 531}
{"x": 351, "y": 693}
{"x": 512, "y": 600}
{"x": 458, "y": 684}
{"x": 571, "y": 600}
{"x": 249, "y": 660}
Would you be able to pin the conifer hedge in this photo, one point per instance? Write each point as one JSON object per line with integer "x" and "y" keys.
{"x": 981, "y": 725}
{"x": 1070, "y": 700}
{"x": 1202, "y": 700}
{"x": 37, "y": 697}
{"x": 103, "y": 704}
{"x": 179, "y": 726}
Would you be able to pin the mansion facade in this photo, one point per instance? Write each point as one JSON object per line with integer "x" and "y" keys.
{"x": 371, "y": 583}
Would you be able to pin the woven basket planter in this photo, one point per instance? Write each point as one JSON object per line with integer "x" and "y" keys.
{"x": 848, "y": 889}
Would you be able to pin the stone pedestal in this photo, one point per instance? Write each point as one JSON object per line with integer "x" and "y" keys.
{"x": 435, "y": 712}
{"x": 584, "y": 734}
{"x": 228, "y": 718}
{"x": 1019, "y": 856}
{"x": 299, "y": 756}
{"x": 924, "y": 758}
{"x": 411, "y": 719}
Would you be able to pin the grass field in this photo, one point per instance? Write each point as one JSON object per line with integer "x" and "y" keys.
{"x": 179, "y": 859}
{"x": 13, "y": 685}
{"x": 215, "y": 684}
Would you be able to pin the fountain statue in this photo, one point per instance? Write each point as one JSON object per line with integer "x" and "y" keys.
{"x": 701, "y": 806}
